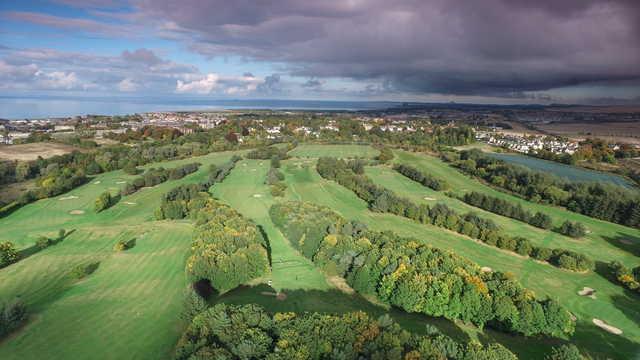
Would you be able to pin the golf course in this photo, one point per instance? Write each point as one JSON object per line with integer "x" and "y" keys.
{"x": 130, "y": 305}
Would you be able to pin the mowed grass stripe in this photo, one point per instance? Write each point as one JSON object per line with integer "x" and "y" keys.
{"x": 616, "y": 241}
{"x": 244, "y": 189}
{"x": 545, "y": 280}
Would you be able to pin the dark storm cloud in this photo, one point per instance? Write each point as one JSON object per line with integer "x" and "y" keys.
{"x": 422, "y": 46}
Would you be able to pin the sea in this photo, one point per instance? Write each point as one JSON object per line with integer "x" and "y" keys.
{"x": 15, "y": 108}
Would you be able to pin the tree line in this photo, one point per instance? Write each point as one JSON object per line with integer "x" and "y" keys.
{"x": 425, "y": 179}
{"x": 508, "y": 209}
{"x": 275, "y": 178}
{"x": 228, "y": 249}
{"x": 417, "y": 277}
{"x": 606, "y": 202}
{"x": 153, "y": 177}
{"x": 180, "y": 201}
{"x": 384, "y": 200}
{"x": 250, "y": 332}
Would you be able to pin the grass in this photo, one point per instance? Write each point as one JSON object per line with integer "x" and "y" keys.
{"x": 612, "y": 304}
{"x": 129, "y": 307}
{"x": 245, "y": 191}
{"x": 339, "y": 151}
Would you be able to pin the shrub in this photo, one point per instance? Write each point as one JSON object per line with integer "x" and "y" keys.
{"x": 565, "y": 352}
{"x": 43, "y": 242}
{"x": 573, "y": 229}
{"x": 104, "y": 201}
{"x": 8, "y": 254}
{"x": 83, "y": 270}
{"x": 12, "y": 315}
{"x": 123, "y": 245}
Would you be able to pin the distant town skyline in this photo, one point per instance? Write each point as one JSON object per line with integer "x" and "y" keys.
{"x": 494, "y": 51}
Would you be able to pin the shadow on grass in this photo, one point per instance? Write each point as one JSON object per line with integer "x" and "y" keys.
{"x": 334, "y": 302}
{"x": 589, "y": 338}
{"x": 36, "y": 248}
{"x": 625, "y": 242}
{"x": 267, "y": 242}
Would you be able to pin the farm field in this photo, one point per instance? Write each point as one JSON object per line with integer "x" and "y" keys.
{"x": 130, "y": 306}
{"x": 27, "y": 152}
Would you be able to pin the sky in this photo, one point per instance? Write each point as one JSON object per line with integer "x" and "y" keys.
{"x": 489, "y": 51}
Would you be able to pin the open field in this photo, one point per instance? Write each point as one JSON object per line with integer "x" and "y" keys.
{"x": 339, "y": 151}
{"x": 628, "y": 132}
{"x": 129, "y": 308}
{"x": 27, "y": 152}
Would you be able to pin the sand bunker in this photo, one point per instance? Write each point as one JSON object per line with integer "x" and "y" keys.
{"x": 257, "y": 195}
{"x": 68, "y": 197}
{"x": 97, "y": 182}
{"x": 486, "y": 269}
{"x": 428, "y": 198}
{"x": 603, "y": 325}
{"x": 130, "y": 203}
{"x": 586, "y": 291}
{"x": 76, "y": 212}
{"x": 121, "y": 182}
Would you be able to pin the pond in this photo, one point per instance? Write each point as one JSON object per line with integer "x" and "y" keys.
{"x": 569, "y": 172}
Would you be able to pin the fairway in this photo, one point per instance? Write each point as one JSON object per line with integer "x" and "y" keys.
{"x": 339, "y": 151}
{"x": 131, "y": 304}
{"x": 305, "y": 184}
{"x": 245, "y": 191}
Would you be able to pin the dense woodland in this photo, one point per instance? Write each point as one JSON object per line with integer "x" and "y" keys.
{"x": 605, "y": 202}
{"x": 249, "y": 332}
{"x": 417, "y": 277}
{"x": 485, "y": 230}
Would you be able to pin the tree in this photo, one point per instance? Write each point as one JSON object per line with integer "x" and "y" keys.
{"x": 104, "y": 201}
{"x": 275, "y": 161}
{"x": 565, "y": 352}
{"x": 131, "y": 169}
{"x": 8, "y": 254}
{"x": 573, "y": 229}
{"x": 23, "y": 171}
{"x": 385, "y": 154}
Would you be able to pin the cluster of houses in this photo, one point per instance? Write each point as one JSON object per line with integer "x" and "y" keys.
{"x": 525, "y": 144}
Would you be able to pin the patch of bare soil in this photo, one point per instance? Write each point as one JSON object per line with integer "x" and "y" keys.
{"x": 428, "y": 198}
{"x": 281, "y": 296}
{"x": 28, "y": 152}
{"x": 627, "y": 242}
{"x": 76, "y": 212}
{"x": 70, "y": 197}
{"x": 606, "y": 327}
{"x": 486, "y": 269}
{"x": 340, "y": 284}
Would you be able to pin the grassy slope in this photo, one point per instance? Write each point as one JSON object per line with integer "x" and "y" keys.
{"x": 612, "y": 304}
{"x": 245, "y": 191}
{"x": 602, "y": 232}
{"x": 129, "y": 307}
{"x": 339, "y": 151}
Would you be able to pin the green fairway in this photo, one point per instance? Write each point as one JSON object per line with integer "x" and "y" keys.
{"x": 606, "y": 241}
{"x": 339, "y": 151}
{"x": 129, "y": 307}
{"x": 244, "y": 190}
{"x": 612, "y": 304}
